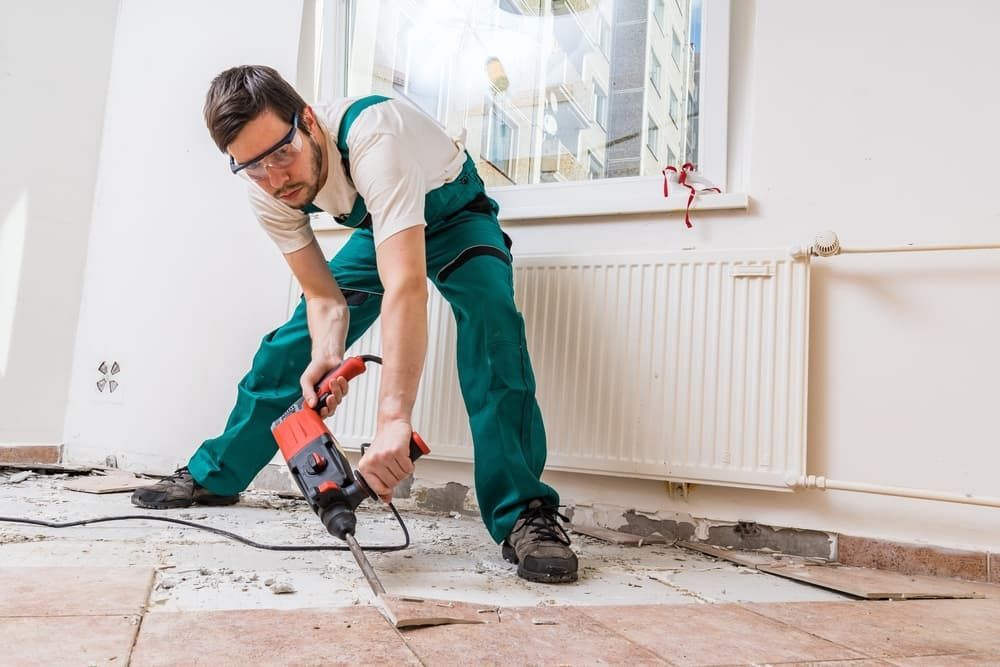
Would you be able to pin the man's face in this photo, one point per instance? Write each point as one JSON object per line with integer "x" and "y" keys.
{"x": 295, "y": 183}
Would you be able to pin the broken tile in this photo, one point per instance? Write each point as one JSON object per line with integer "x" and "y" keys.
{"x": 74, "y": 591}
{"x": 67, "y": 640}
{"x": 912, "y": 558}
{"x": 897, "y": 629}
{"x": 113, "y": 482}
{"x": 355, "y": 635}
{"x": 528, "y": 635}
{"x": 406, "y": 612}
{"x": 619, "y": 537}
{"x": 741, "y": 557}
{"x": 715, "y": 634}
{"x": 872, "y": 584}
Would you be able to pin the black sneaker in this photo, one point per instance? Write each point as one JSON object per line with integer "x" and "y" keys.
{"x": 540, "y": 546}
{"x": 178, "y": 490}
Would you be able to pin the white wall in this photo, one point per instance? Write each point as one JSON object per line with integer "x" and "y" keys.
{"x": 874, "y": 119}
{"x": 55, "y": 57}
{"x": 180, "y": 282}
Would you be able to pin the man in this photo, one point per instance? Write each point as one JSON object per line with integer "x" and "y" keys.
{"x": 419, "y": 210}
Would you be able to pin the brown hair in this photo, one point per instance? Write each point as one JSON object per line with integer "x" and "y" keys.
{"x": 240, "y": 94}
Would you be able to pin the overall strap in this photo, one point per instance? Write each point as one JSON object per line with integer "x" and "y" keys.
{"x": 350, "y": 116}
{"x": 346, "y": 121}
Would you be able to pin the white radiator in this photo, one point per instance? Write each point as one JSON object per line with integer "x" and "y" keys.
{"x": 685, "y": 366}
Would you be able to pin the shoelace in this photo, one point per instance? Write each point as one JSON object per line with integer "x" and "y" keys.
{"x": 542, "y": 520}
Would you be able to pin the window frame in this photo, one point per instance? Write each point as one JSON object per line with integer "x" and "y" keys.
{"x": 655, "y": 73}
{"x": 652, "y": 136}
{"x": 610, "y": 196}
{"x": 496, "y": 112}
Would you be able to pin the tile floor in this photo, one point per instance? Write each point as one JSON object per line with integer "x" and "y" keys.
{"x": 145, "y": 593}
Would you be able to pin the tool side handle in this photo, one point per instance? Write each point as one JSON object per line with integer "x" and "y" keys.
{"x": 418, "y": 447}
{"x": 349, "y": 368}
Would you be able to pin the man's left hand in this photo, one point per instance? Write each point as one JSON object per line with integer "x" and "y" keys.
{"x": 387, "y": 462}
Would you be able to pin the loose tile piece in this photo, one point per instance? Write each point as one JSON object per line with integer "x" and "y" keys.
{"x": 618, "y": 537}
{"x": 406, "y": 612}
{"x": 748, "y": 558}
{"x": 74, "y": 591}
{"x": 67, "y": 640}
{"x": 528, "y": 635}
{"x": 872, "y": 584}
{"x": 115, "y": 482}
{"x": 356, "y": 635}
{"x": 897, "y": 629}
{"x": 715, "y": 634}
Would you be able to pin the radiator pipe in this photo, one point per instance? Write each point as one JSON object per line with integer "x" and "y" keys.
{"x": 822, "y": 483}
{"x": 828, "y": 245}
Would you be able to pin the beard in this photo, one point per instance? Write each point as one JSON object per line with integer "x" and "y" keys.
{"x": 311, "y": 188}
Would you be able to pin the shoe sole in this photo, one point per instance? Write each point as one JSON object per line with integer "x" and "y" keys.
{"x": 183, "y": 503}
{"x": 510, "y": 556}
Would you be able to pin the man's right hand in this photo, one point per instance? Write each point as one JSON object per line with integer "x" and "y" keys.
{"x": 316, "y": 371}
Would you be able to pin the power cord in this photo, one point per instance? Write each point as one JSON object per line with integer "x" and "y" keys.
{"x": 225, "y": 533}
{"x": 218, "y": 531}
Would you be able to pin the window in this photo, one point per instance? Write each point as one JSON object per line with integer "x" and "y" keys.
{"x": 654, "y": 71}
{"x": 671, "y": 157}
{"x": 499, "y": 141}
{"x": 659, "y": 12}
{"x": 596, "y": 169}
{"x": 600, "y": 106}
{"x": 675, "y": 48}
{"x": 566, "y": 92}
{"x": 652, "y": 136}
{"x": 604, "y": 35}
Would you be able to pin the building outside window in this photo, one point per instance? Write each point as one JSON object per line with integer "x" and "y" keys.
{"x": 537, "y": 86}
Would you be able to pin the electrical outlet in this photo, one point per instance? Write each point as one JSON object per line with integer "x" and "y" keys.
{"x": 108, "y": 386}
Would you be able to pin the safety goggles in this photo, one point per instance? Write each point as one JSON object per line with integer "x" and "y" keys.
{"x": 279, "y": 156}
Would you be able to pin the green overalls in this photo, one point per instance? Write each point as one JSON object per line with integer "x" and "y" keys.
{"x": 468, "y": 260}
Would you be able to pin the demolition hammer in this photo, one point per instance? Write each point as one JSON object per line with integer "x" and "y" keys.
{"x": 321, "y": 470}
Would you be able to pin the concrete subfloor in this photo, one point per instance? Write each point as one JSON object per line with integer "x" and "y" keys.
{"x": 148, "y": 593}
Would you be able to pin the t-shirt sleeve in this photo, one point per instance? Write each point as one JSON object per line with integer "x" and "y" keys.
{"x": 288, "y": 227}
{"x": 390, "y": 179}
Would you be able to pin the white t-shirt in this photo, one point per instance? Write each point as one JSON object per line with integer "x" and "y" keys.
{"x": 397, "y": 154}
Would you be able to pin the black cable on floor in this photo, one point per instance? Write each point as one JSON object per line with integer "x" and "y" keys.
{"x": 218, "y": 531}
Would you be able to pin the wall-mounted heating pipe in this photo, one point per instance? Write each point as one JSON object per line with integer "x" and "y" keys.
{"x": 828, "y": 245}
{"x": 822, "y": 483}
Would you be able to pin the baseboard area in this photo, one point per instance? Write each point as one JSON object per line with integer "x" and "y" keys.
{"x": 30, "y": 454}
{"x": 918, "y": 559}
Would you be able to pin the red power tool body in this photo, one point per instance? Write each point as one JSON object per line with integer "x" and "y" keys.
{"x": 318, "y": 465}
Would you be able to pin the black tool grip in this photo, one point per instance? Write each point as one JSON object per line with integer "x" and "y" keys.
{"x": 417, "y": 446}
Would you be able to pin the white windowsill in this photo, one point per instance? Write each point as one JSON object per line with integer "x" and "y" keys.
{"x": 620, "y": 196}
{"x": 581, "y": 199}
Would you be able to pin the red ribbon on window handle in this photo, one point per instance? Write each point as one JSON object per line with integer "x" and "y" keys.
{"x": 687, "y": 177}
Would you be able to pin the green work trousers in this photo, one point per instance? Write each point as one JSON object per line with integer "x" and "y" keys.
{"x": 470, "y": 264}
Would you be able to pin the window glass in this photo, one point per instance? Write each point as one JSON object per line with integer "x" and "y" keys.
{"x": 541, "y": 86}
